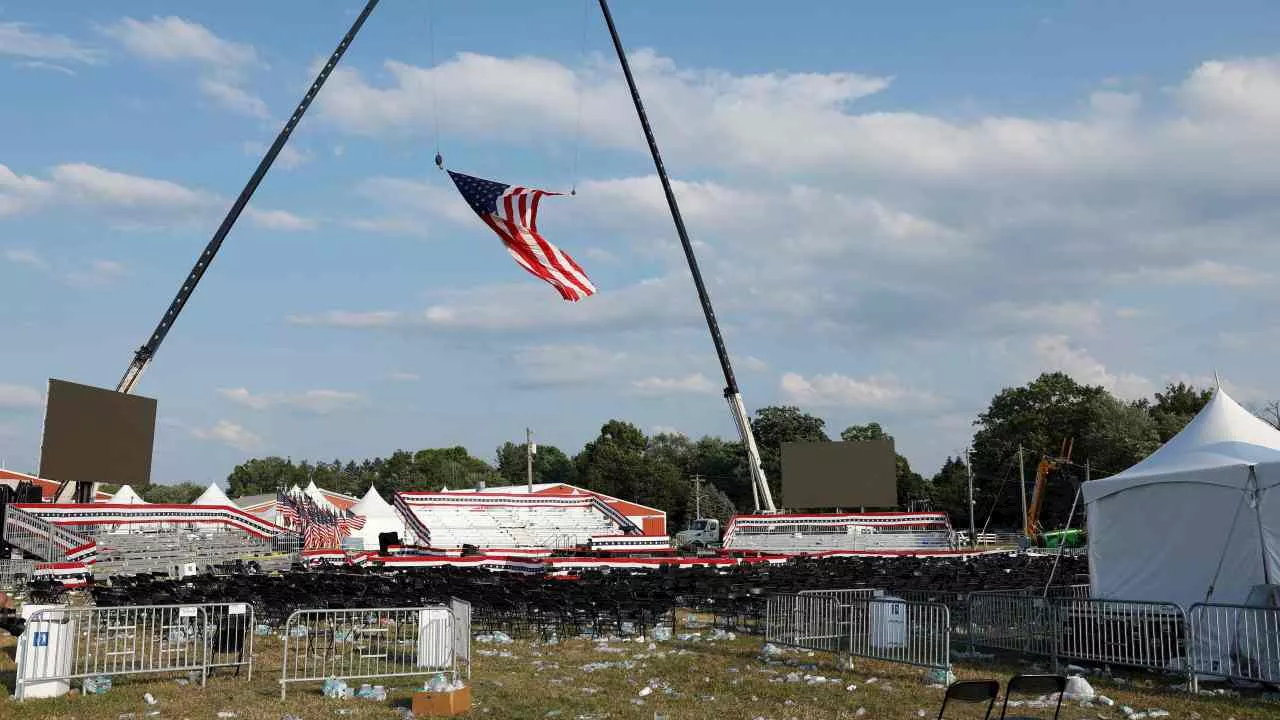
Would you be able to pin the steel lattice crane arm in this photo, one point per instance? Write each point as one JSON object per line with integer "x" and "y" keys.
{"x": 143, "y": 356}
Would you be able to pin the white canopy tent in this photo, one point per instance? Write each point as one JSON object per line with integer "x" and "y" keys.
{"x": 213, "y": 495}
{"x": 1198, "y": 520}
{"x": 126, "y": 496}
{"x": 313, "y": 491}
{"x": 379, "y": 517}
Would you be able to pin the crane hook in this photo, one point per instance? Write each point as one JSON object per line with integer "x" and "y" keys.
{"x": 439, "y": 161}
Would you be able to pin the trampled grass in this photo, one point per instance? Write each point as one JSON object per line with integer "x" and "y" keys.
{"x": 584, "y": 680}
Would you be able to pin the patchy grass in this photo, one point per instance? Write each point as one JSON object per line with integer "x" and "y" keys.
{"x": 687, "y": 680}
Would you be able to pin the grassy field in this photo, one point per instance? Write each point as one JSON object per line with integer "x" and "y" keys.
{"x": 582, "y": 680}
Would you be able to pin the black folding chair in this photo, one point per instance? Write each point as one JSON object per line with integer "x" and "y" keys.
{"x": 1033, "y": 685}
{"x": 971, "y": 691}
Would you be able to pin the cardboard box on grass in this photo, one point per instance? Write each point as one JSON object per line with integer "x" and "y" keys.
{"x": 442, "y": 704}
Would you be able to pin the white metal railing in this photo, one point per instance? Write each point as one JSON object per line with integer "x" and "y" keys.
{"x": 1119, "y": 632}
{"x": 1014, "y": 621}
{"x": 1236, "y": 642}
{"x": 14, "y": 573}
{"x": 898, "y": 631}
{"x": 807, "y": 621}
{"x": 62, "y": 644}
{"x": 366, "y": 643}
{"x": 853, "y": 622}
{"x": 44, "y": 539}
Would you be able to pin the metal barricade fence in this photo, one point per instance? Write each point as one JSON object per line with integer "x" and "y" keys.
{"x": 230, "y": 629}
{"x": 368, "y": 643}
{"x": 1012, "y": 621}
{"x": 462, "y": 631}
{"x": 899, "y": 631}
{"x": 1236, "y": 642}
{"x": 63, "y": 644}
{"x": 807, "y": 621}
{"x": 15, "y": 573}
{"x": 844, "y": 596}
{"x": 1149, "y": 635}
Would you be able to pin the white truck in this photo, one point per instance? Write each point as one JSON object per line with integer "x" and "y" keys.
{"x": 703, "y": 534}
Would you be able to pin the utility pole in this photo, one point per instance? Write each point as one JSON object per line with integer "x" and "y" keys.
{"x": 697, "y": 497}
{"x": 973, "y": 531}
{"x": 529, "y": 451}
{"x": 1022, "y": 485}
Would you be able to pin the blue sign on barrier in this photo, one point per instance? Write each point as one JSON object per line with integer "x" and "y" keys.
{"x": 40, "y": 639}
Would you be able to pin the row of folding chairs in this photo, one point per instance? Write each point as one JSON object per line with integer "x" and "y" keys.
{"x": 987, "y": 691}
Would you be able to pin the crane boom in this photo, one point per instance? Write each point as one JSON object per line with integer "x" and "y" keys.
{"x": 142, "y": 356}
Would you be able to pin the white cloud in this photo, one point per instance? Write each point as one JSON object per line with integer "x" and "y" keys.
{"x": 695, "y": 384}
{"x": 24, "y": 257}
{"x": 1055, "y": 352}
{"x": 754, "y": 364}
{"x": 1199, "y": 272}
{"x": 836, "y": 390}
{"x": 99, "y": 272}
{"x": 290, "y": 157}
{"x": 42, "y": 65}
{"x": 280, "y": 220}
{"x": 230, "y": 434}
{"x": 95, "y": 185}
{"x": 222, "y": 63}
{"x": 346, "y": 319}
{"x": 406, "y": 377}
{"x": 19, "y": 192}
{"x": 20, "y": 40}
{"x": 319, "y": 402}
{"x": 19, "y": 396}
{"x": 571, "y": 364}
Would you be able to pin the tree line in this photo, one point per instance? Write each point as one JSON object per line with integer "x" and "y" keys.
{"x": 1107, "y": 435}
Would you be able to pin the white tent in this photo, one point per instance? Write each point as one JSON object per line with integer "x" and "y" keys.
{"x": 213, "y": 495}
{"x": 1198, "y": 519}
{"x": 318, "y": 497}
{"x": 126, "y": 496}
{"x": 379, "y": 517}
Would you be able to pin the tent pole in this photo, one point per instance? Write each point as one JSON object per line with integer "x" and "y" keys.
{"x": 1062, "y": 541}
{"x": 1257, "y": 513}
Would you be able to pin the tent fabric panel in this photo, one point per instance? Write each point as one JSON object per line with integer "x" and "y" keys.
{"x": 1163, "y": 542}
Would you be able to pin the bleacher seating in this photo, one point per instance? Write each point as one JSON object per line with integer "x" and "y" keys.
{"x": 514, "y": 526}
{"x": 130, "y": 553}
{"x": 797, "y": 542}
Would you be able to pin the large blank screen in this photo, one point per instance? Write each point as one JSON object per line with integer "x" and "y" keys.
{"x": 97, "y": 435}
{"x": 850, "y": 474}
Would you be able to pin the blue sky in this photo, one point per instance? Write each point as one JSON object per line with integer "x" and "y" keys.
{"x": 900, "y": 208}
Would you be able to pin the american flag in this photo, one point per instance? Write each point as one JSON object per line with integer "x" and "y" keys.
{"x": 286, "y": 509}
{"x": 512, "y": 212}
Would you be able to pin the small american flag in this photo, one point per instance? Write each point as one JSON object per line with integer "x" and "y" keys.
{"x": 512, "y": 212}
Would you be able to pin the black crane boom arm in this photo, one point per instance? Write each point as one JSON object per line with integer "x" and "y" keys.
{"x": 143, "y": 356}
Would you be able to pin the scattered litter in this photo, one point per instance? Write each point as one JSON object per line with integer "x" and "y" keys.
{"x": 1105, "y": 700}
{"x": 851, "y": 688}
{"x": 861, "y": 711}
{"x": 938, "y": 676}
{"x": 127, "y": 716}
{"x": 406, "y": 713}
{"x": 872, "y": 680}
{"x": 645, "y": 691}
{"x": 335, "y": 688}
{"x": 377, "y": 692}
{"x": 148, "y": 698}
{"x": 96, "y": 685}
{"x": 921, "y": 713}
{"x": 590, "y": 690}
{"x": 1128, "y": 711}
{"x": 771, "y": 650}
{"x": 719, "y": 634}
{"x": 1157, "y": 713}
{"x": 552, "y": 713}
{"x": 151, "y": 713}
{"x": 793, "y": 677}
{"x": 226, "y": 714}
{"x": 262, "y": 630}
{"x": 662, "y": 634}
{"x": 637, "y": 701}
{"x": 1078, "y": 689}
{"x": 182, "y": 682}
{"x": 343, "y": 711}
{"x": 498, "y": 637}
{"x": 290, "y": 717}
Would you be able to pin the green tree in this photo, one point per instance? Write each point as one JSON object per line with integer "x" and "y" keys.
{"x": 949, "y": 491}
{"x": 775, "y": 425}
{"x": 264, "y": 475}
{"x": 180, "y": 494}
{"x": 550, "y": 465}
{"x": 623, "y": 463}
{"x": 713, "y": 504}
{"x": 911, "y": 487}
{"x": 1175, "y": 407}
{"x": 452, "y": 467}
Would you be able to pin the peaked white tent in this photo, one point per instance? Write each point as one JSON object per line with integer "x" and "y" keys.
{"x": 313, "y": 492}
{"x": 379, "y": 517}
{"x": 126, "y": 496}
{"x": 1198, "y": 519}
{"x": 213, "y": 495}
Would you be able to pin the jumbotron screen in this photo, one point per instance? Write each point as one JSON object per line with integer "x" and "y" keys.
{"x": 846, "y": 475}
{"x": 96, "y": 435}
